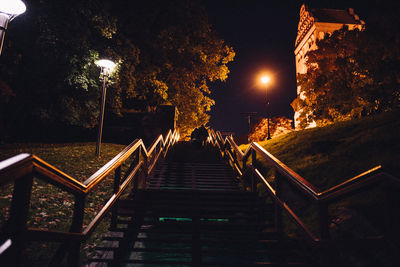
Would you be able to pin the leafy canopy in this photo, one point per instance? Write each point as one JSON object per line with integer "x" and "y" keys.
{"x": 277, "y": 126}
{"x": 179, "y": 55}
{"x": 48, "y": 62}
{"x": 351, "y": 74}
{"x": 166, "y": 52}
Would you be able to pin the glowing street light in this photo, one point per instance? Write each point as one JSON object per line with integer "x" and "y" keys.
{"x": 9, "y": 9}
{"x": 107, "y": 66}
{"x": 265, "y": 80}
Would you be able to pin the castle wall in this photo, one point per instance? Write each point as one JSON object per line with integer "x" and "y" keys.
{"x": 309, "y": 31}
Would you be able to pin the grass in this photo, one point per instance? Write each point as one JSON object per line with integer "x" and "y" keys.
{"x": 327, "y": 156}
{"x": 51, "y": 208}
{"x": 75, "y": 159}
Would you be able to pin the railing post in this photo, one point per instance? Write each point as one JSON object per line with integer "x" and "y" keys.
{"x": 277, "y": 207}
{"x": 323, "y": 217}
{"x": 143, "y": 176}
{"x": 224, "y": 151}
{"x": 137, "y": 160}
{"x": 252, "y": 177}
{"x": 76, "y": 227}
{"x": 117, "y": 183}
{"x": 226, "y": 148}
{"x": 244, "y": 165}
{"x": 19, "y": 213}
{"x": 20, "y": 204}
{"x": 163, "y": 147}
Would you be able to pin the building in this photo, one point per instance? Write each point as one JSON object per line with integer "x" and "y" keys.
{"x": 313, "y": 25}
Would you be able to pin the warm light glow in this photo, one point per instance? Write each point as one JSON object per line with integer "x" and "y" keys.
{"x": 107, "y": 65}
{"x": 265, "y": 79}
{"x": 12, "y": 7}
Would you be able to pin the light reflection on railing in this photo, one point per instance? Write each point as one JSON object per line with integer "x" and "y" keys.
{"x": 238, "y": 160}
{"x": 21, "y": 170}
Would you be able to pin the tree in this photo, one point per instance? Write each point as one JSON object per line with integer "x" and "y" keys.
{"x": 49, "y": 62}
{"x": 179, "y": 56}
{"x": 166, "y": 52}
{"x": 351, "y": 74}
{"x": 277, "y": 126}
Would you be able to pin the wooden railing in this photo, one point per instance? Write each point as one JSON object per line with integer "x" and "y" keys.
{"x": 239, "y": 161}
{"x": 21, "y": 170}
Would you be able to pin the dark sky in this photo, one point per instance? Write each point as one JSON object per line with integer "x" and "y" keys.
{"x": 262, "y": 33}
{"x": 263, "y": 38}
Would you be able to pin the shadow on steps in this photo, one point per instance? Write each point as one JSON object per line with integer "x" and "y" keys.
{"x": 188, "y": 152}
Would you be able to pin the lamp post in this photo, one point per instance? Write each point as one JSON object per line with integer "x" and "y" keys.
{"x": 107, "y": 67}
{"x": 9, "y": 9}
{"x": 265, "y": 80}
{"x": 248, "y": 115}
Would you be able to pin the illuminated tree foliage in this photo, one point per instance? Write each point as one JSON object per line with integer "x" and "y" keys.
{"x": 166, "y": 52}
{"x": 179, "y": 56}
{"x": 351, "y": 74}
{"x": 48, "y": 63}
{"x": 277, "y": 126}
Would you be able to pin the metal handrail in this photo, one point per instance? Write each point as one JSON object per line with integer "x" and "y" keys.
{"x": 230, "y": 150}
{"x": 21, "y": 169}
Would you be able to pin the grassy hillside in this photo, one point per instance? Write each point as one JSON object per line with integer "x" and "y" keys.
{"x": 328, "y": 155}
{"x": 76, "y": 159}
{"x": 51, "y": 208}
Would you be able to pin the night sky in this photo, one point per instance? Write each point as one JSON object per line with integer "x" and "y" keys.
{"x": 262, "y": 34}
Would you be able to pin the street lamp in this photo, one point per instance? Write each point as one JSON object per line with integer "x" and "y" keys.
{"x": 265, "y": 80}
{"x": 107, "y": 66}
{"x": 9, "y": 9}
{"x": 248, "y": 115}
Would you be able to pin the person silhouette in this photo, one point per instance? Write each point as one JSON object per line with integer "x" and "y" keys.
{"x": 199, "y": 136}
{"x": 203, "y": 134}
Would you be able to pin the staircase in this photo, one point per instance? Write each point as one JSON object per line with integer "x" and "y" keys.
{"x": 193, "y": 213}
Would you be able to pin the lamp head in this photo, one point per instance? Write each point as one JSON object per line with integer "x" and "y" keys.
{"x": 265, "y": 79}
{"x": 12, "y": 8}
{"x": 9, "y": 9}
{"x": 107, "y": 66}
